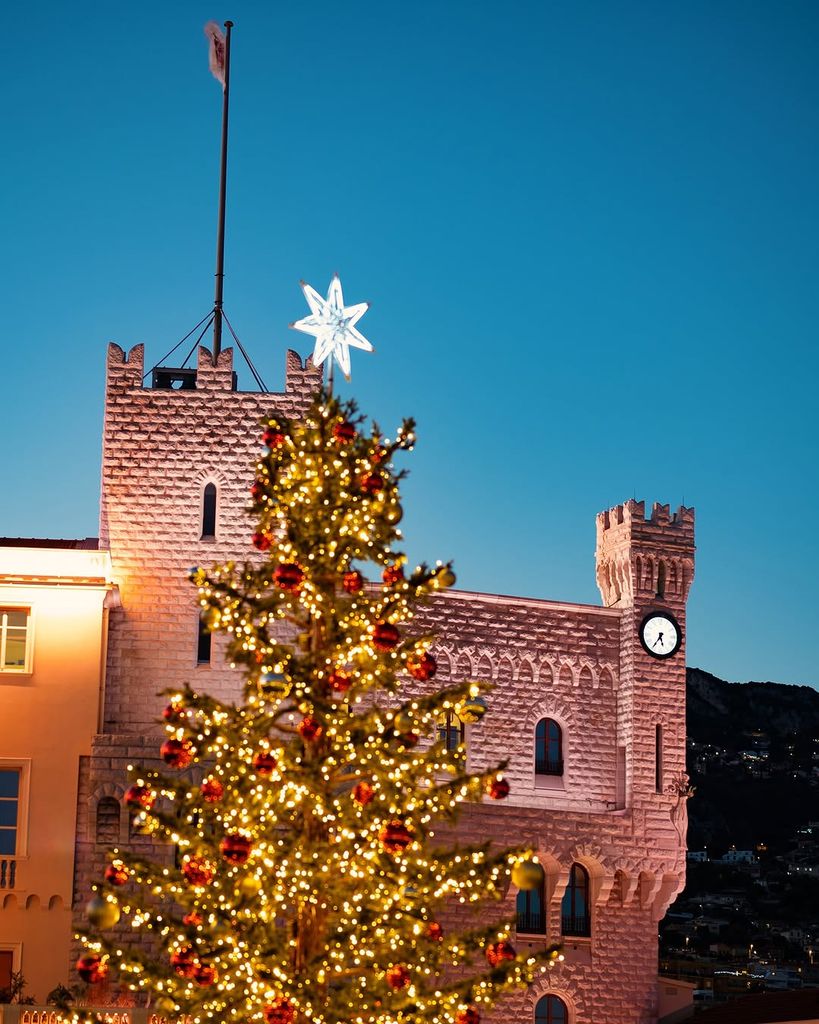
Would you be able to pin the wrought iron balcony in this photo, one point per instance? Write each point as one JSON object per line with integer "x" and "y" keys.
{"x": 532, "y": 922}
{"x": 576, "y": 924}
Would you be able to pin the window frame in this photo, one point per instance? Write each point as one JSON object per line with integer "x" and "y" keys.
{"x": 209, "y": 513}
{"x": 449, "y": 722}
{"x": 23, "y": 767}
{"x": 549, "y": 766}
{"x": 26, "y": 668}
{"x": 526, "y": 912}
{"x": 204, "y": 640}
{"x": 547, "y": 1017}
{"x": 571, "y": 892}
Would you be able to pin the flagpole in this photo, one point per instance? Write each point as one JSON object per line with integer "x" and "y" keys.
{"x": 220, "y": 231}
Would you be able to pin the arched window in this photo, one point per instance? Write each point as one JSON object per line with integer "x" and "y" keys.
{"x": 451, "y": 730}
{"x": 661, "y": 580}
{"x": 575, "y": 912}
{"x": 548, "y": 748}
{"x": 108, "y": 812}
{"x": 551, "y": 1010}
{"x": 531, "y": 911}
{"x": 209, "y": 512}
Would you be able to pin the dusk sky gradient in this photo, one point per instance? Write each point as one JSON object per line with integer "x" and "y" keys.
{"x": 589, "y": 232}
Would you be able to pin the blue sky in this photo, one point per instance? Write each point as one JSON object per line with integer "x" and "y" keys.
{"x": 589, "y": 232}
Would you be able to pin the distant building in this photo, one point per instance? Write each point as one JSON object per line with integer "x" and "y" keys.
{"x": 54, "y": 601}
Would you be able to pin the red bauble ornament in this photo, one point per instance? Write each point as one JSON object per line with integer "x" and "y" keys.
{"x": 340, "y": 681}
{"x": 468, "y": 1016}
{"x": 392, "y": 574}
{"x": 177, "y": 753}
{"x": 397, "y": 976}
{"x": 192, "y": 920}
{"x": 352, "y": 581}
{"x": 422, "y": 666}
{"x": 184, "y": 962}
{"x": 91, "y": 968}
{"x": 378, "y": 455}
{"x": 435, "y": 932}
{"x": 363, "y": 793}
{"x": 372, "y": 483}
{"x": 262, "y": 541}
{"x": 204, "y": 975}
{"x": 140, "y": 796}
{"x": 280, "y": 1011}
{"x": 497, "y": 952}
{"x": 197, "y": 871}
{"x": 235, "y": 848}
{"x": 309, "y": 729}
{"x": 395, "y": 836}
{"x": 212, "y": 790}
{"x": 497, "y": 789}
{"x": 264, "y": 762}
{"x": 273, "y": 437}
{"x": 288, "y": 576}
{"x": 344, "y": 431}
{"x": 385, "y": 636}
{"x": 116, "y": 874}
{"x": 408, "y": 739}
{"x": 174, "y": 712}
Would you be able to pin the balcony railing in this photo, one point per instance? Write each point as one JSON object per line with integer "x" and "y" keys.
{"x": 532, "y": 922}
{"x": 548, "y": 766}
{"x": 579, "y": 925}
{"x": 8, "y": 872}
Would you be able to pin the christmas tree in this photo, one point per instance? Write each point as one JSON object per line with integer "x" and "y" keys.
{"x": 308, "y": 882}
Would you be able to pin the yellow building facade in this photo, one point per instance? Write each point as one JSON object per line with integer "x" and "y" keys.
{"x": 54, "y": 599}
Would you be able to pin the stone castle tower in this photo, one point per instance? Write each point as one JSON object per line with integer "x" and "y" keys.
{"x": 593, "y": 724}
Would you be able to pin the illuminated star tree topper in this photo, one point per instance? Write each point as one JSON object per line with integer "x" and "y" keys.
{"x": 332, "y": 324}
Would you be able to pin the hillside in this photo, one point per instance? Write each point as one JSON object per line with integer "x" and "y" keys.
{"x": 753, "y": 754}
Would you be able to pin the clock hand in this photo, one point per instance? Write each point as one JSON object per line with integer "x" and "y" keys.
{"x": 659, "y": 640}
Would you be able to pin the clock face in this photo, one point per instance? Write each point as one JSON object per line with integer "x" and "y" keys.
{"x": 660, "y": 634}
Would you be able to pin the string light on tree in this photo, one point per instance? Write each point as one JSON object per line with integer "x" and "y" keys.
{"x": 308, "y": 885}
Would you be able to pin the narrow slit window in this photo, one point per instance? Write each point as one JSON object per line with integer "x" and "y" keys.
{"x": 203, "y": 645}
{"x": 661, "y": 580}
{"x": 658, "y": 759}
{"x": 209, "y": 512}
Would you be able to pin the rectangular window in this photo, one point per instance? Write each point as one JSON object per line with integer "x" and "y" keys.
{"x": 6, "y": 968}
{"x": 658, "y": 759}
{"x": 14, "y": 639}
{"x": 203, "y": 645}
{"x": 9, "y": 810}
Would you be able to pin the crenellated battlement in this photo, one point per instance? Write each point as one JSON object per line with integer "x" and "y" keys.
{"x": 638, "y": 553}
{"x": 125, "y": 371}
{"x": 633, "y": 511}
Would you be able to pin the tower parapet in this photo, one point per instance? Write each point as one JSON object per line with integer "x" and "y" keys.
{"x": 651, "y": 555}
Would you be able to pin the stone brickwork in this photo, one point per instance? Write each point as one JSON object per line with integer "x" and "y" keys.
{"x": 581, "y": 665}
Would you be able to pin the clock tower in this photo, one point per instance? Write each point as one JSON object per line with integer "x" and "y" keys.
{"x": 645, "y": 567}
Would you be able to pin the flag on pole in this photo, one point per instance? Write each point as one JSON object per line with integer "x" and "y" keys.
{"x": 216, "y": 55}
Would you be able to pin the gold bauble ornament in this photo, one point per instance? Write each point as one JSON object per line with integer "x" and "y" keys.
{"x": 102, "y": 913}
{"x": 249, "y": 886}
{"x": 527, "y": 874}
{"x": 403, "y": 722}
{"x": 471, "y": 711}
{"x": 445, "y": 578}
